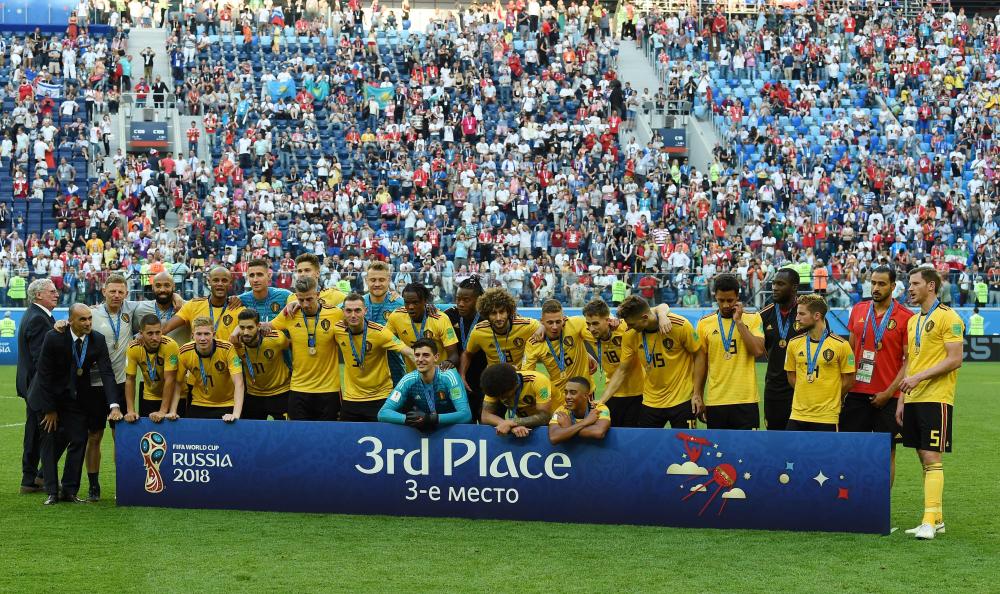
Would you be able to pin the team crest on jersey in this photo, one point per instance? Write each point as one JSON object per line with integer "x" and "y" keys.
{"x": 275, "y": 307}
{"x": 325, "y": 325}
{"x": 568, "y": 341}
{"x": 929, "y": 325}
{"x": 227, "y": 319}
{"x": 617, "y": 341}
{"x": 220, "y": 366}
{"x": 126, "y": 318}
{"x": 828, "y": 355}
{"x": 428, "y": 334}
{"x": 442, "y": 395}
{"x": 892, "y": 324}
{"x": 668, "y": 343}
{"x": 368, "y": 346}
{"x": 159, "y": 360}
{"x": 268, "y": 354}
{"x": 519, "y": 342}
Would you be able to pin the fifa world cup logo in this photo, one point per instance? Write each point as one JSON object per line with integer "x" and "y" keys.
{"x": 154, "y": 449}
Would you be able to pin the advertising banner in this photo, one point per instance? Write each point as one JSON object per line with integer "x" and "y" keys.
{"x": 704, "y": 479}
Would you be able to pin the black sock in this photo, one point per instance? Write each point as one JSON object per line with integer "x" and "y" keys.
{"x": 92, "y": 476}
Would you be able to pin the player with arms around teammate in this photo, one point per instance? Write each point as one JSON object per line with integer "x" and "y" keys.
{"x": 731, "y": 341}
{"x": 925, "y": 408}
{"x": 502, "y": 334}
{"x": 308, "y": 265}
{"x": 579, "y": 416}
{"x": 779, "y": 328}
{"x": 365, "y": 346}
{"x": 155, "y": 356}
{"x": 820, "y": 367}
{"x": 315, "y": 383}
{"x": 561, "y": 349}
{"x": 216, "y": 375}
{"x": 265, "y": 373}
{"x": 219, "y": 307}
{"x": 522, "y": 397}
{"x": 664, "y": 359}
{"x": 379, "y": 303}
{"x": 878, "y": 339}
{"x": 428, "y": 397}
{"x": 605, "y": 343}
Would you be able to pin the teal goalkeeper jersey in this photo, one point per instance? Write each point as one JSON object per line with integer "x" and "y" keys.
{"x": 444, "y": 396}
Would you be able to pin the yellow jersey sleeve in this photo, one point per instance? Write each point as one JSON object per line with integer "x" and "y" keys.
{"x": 192, "y": 309}
{"x": 132, "y": 358}
{"x": 444, "y": 332}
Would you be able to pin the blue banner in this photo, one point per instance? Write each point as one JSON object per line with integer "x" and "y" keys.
{"x": 700, "y": 479}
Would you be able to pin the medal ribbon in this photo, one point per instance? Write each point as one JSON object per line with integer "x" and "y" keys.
{"x": 312, "y": 335}
{"x": 783, "y": 324}
{"x": 645, "y": 350}
{"x": 211, "y": 314}
{"x": 82, "y": 354}
{"x": 429, "y": 393}
{"x": 561, "y": 359}
{"x": 812, "y": 361}
{"x": 151, "y": 364}
{"x": 922, "y": 321}
{"x": 462, "y": 336}
{"x": 883, "y": 325}
{"x": 727, "y": 339}
{"x": 364, "y": 341}
{"x": 116, "y": 329}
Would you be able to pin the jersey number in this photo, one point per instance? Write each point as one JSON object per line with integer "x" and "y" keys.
{"x": 612, "y": 357}
{"x": 209, "y": 381}
{"x": 658, "y": 360}
{"x": 258, "y": 368}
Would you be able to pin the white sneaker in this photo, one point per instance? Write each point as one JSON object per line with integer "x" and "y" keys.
{"x": 938, "y": 528}
{"x": 924, "y": 532}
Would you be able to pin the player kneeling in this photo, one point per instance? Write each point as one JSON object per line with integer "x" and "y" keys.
{"x": 521, "y": 397}
{"x": 580, "y": 416}
{"x": 430, "y": 396}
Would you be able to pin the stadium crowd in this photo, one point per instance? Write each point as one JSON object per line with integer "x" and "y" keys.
{"x": 505, "y": 149}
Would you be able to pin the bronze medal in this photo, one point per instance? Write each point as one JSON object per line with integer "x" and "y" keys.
{"x": 312, "y": 350}
{"x": 782, "y": 343}
{"x": 729, "y": 355}
{"x": 79, "y": 371}
{"x": 810, "y": 378}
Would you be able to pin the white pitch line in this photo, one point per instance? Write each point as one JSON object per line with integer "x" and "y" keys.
{"x": 12, "y": 425}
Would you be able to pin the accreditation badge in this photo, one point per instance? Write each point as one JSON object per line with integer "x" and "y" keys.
{"x": 866, "y": 367}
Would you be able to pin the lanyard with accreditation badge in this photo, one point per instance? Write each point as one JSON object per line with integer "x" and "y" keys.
{"x": 866, "y": 366}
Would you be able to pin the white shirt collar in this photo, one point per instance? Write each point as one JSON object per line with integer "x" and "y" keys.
{"x": 75, "y": 337}
{"x": 45, "y": 309}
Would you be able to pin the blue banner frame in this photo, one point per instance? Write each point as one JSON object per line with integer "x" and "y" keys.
{"x": 696, "y": 479}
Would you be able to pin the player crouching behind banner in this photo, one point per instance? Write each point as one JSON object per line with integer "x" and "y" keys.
{"x": 430, "y": 396}
{"x": 580, "y": 416}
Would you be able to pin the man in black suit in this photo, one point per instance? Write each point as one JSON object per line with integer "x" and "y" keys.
{"x": 58, "y": 402}
{"x": 36, "y": 322}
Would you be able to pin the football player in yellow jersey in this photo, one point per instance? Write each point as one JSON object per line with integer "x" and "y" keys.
{"x": 579, "y": 416}
{"x": 820, "y": 368}
{"x": 308, "y": 265}
{"x": 665, "y": 359}
{"x": 217, "y": 375}
{"x": 925, "y": 408}
{"x": 265, "y": 372}
{"x": 523, "y": 396}
{"x": 604, "y": 336}
{"x": 365, "y": 346}
{"x": 156, "y": 356}
{"x": 315, "y": 384}
{"x": 561, "y": 349}
{"x": 730, "y": 343}
{"x": 413, "y": 321}
{"x": 219, "y": 307}
{"x": 502, "y": 335}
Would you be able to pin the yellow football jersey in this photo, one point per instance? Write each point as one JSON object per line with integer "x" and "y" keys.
{"x": 818, "y": 401}
{"x": 435, "y": 326}
{"x": 210, "y": 377}
{"x": 668, "y": 362}
{"x": 510, "y": 346}
{"x": 152, "y": 366}
{"x": 366, "y": 361}
{"x": 224, "y": 318}
{"x": 612, "y": 353}
{"x": 535, "y": 390}
{"x": 571, "y": 349}
{"x": 942, "y": 327}
{"x": 318, "y": 373}
{"x": 265, "y": 372}
{"x": 731, "y": 380}
{"x": 332, "y": 297}
{"x": 603, "y": 413}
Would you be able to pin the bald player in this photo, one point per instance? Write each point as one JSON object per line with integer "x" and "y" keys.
{"x": 165, "y": 303}
{"x": 218, "y": 307}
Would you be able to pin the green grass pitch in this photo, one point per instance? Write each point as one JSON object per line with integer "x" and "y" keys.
{"x": 102, "y": 548}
